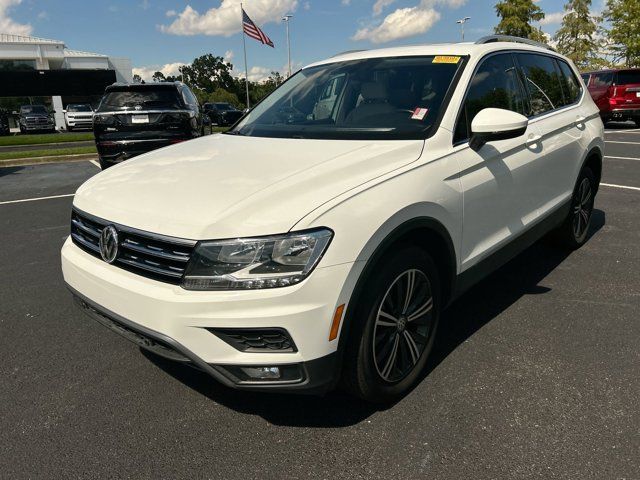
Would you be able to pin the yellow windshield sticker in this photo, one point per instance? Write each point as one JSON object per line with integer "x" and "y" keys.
{"x": 445, "y": 59}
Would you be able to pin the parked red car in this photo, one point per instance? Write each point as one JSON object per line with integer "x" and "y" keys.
{"x": 616, "y": 92}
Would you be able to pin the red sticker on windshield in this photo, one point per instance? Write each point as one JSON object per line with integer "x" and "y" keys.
{"x": 419, "y": 113}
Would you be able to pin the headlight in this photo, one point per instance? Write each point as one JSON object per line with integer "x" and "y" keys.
{"x": 254, "y": 263}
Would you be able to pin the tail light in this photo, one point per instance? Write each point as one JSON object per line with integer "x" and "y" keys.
{"x": 616, "y": 95}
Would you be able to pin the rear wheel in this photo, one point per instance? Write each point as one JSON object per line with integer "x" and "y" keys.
{"x": 574, "y": 230}
{"x": 394, "y": 325}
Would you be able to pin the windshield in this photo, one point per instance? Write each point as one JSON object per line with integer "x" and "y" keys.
{"x": 146, "y": 98}
{"x": 625, "y": 77}
{"x": 33, "y": 109}
{"x": 79, "y": 108}
{"x": 381, "y": 98}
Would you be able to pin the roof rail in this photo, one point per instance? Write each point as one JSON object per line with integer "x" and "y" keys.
{"x": 509, "y": 38}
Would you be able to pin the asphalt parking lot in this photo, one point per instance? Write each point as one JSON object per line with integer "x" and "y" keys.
{"x": 535, "y": 372}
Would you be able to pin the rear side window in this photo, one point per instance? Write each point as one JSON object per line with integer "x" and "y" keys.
{"x": 585, "y": 78}
{"x": 188, "y": 97}
{"x": 494, "y": 85}
{"x": 601, "y": 80}
{"x": 570, "y": 85}
{"x": 625, "y": 77}
{"x": 543, "y": 82}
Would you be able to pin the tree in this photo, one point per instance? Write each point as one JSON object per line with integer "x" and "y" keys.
{"x": 516, "y": 17}
{"x": 576, "y": 38}
{"x": 208, "y": 73}
{"x": 158, "y": 77}
{"x": 137, "y": 79}
{"x": 624, "y": 34}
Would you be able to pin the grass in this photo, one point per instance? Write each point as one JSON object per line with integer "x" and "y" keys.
{"x": 56, "y": 152}
{"x": 38, "y": 139}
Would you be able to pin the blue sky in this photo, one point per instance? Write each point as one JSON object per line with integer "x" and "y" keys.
{"x": 160, "y": 34}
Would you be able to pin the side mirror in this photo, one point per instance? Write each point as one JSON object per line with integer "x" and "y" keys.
{"x": 493, "y": 124}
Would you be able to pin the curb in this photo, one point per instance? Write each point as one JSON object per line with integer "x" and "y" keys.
{"x": 47, "y": 145}
{"x": 19, "y": 162}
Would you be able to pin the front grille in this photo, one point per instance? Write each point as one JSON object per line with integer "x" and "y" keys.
{"x": 38, "y": 121}
{"x": 153, "y": 256}
{"x": 256, "y": 339}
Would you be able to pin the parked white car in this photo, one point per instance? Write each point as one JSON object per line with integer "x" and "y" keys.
{"x": 296, "y": 251}
{"x": 78, "y": 115}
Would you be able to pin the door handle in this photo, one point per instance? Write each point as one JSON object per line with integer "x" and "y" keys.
{"x": 533, "y": 140}
{"x": 580, "y": 121}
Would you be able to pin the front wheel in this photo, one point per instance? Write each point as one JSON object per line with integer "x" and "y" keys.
{"x": 394, "y": 326}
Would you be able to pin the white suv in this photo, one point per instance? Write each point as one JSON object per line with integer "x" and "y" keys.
{"x": 320, "y": 239}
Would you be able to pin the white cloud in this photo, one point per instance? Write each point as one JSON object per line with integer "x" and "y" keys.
{"x": 552, "y": 18}
{"x": 171, "y": 13}
{"x": 168, "y": 69}
{"x": 7, "y": 24}
{"x": 225, "y": 19}
{"x": 404, "y": 22}
{"x": 380, "y": 5}
{"x": 306, "y": 6}
{"x": 228, "y": 55}
{"x": 346, "y": 3}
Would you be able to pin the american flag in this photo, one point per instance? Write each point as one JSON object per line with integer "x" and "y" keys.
{"x": 253, "y": 31}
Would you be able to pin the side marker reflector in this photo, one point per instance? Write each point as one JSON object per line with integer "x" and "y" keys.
{"x": 335, "y": 325}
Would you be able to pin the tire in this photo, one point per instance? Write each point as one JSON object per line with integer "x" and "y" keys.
{"x": 22, "y": 130}
{"x": 69, "y": 129}
{"x": 574, "y": 231}
{"x": 103, "y": 164}
{"x": 382, "y": 326}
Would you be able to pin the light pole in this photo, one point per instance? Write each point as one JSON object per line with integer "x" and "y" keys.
{"x": 286, "y": 19}
{"x": 462, "y": 21}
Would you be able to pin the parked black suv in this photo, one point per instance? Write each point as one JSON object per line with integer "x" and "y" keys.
{"x": 137, "y": 118}
{"x": 222, "y": 114}
{"x": 4, "y": 122}
{"x": 36, "y": 118}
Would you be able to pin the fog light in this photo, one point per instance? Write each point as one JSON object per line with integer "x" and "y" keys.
{"x": 262, "y": 373}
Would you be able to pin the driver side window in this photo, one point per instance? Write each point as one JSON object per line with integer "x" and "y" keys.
{"x": 494, "y": 85}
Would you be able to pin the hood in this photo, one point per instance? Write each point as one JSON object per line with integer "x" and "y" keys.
{"x": 225, "y": 186}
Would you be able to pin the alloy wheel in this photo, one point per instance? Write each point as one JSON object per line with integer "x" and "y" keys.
{"x": 582, "y": 208}
{"x": 403, "y": 325}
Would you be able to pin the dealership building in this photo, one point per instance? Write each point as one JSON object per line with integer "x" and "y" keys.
{"x": 40, "y": 67}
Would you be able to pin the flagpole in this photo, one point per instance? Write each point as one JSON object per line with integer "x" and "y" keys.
{"x": 244, "y": 47}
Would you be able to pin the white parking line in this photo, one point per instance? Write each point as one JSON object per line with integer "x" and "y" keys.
{"x": 95, "y": 163}
{"x": 622, "y": 158}
{"x": 623, "y": 143}
{"x": 37, "y": 198}
{"x": 626, "y": 187}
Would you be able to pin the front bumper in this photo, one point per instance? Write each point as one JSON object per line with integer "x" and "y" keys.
{"x": 174, "y": 322}
{"x": 80, "y": 123}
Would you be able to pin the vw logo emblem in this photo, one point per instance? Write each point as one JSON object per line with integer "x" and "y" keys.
{"x": 138, "y": 107}
{"x": 109, "y": 244}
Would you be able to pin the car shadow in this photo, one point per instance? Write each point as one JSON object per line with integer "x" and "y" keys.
{"x": 482, "y": 303}
{"x": 4, "y": 171}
